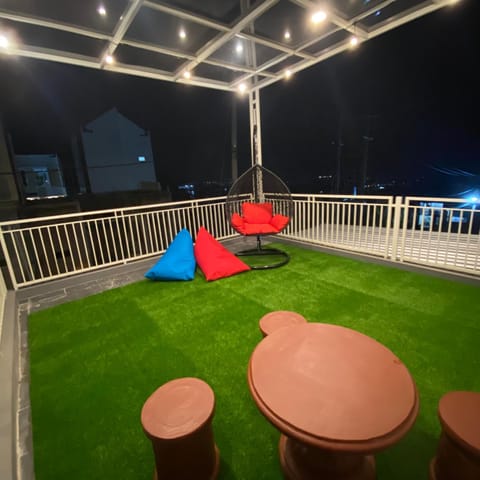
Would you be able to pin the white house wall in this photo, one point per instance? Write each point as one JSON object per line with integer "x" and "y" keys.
{"x": 113, "y": 147}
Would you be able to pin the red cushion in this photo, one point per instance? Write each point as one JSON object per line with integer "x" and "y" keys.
{"x": 279, "y": 222}
{"x": 238, "y": 223}
{"x": 214, "y": 259}
{"x": 257, "y": 212}
{"x": 259, "y": 229}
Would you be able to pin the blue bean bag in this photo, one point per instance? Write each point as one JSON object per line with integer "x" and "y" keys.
{"x": 178, "y": 262}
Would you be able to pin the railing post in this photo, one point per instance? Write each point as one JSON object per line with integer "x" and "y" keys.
{"x": 397, "y": 215}
{"x": 8, "y": 260}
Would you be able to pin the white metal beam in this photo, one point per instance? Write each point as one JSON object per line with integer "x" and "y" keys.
{"x": 191, "y": 17}
{"x": 407, "y": 16}
{"x": 122, "y": 26}
{"x": 211, "y": 47}
{"x": 43, "y": 22}
{"x": 389, "y": 24}
{"x": 55, "y": 56}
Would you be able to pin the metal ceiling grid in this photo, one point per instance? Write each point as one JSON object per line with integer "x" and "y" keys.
{"x": 219, "y": 43}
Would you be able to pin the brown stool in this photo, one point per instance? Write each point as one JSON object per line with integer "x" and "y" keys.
{"x": 281, "y": 318}
{"x": 177, "y": 418}
{"x": 458, "y": 453}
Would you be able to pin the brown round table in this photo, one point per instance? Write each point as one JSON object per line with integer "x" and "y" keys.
{"x": 336, "y": 395}
{"x": 279, "y": 319}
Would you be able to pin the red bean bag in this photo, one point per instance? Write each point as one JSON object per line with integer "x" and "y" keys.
{"x": 214, "y": 259}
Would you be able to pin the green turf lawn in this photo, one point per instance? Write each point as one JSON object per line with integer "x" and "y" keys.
{"x": 95, "y": 361}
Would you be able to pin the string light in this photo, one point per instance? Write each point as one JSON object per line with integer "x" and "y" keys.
{"x": 319, "y": 16}
{"x": 4, "y": 42}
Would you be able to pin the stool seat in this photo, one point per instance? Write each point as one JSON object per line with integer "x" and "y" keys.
{"x": 278, "y": 319}
{"x": 459, "y": 414}
{"x": 178, "y": 408}
{"x": 177, "y": 418}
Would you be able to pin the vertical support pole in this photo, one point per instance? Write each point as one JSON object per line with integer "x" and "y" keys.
{"x": 256, "y": 144}
{"x": 234, "y": 139}
{"x": 255, "y": 127}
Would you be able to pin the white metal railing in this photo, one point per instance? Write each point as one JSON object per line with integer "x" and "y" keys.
{"x": 3, "y": 297}
{"x": 440, "y": 232}
{"x": 358, "y": 223}
{"x": 436, "y": 232}
{"x": 40, "y": 249}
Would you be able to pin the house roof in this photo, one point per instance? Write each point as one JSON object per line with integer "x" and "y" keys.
{"x": 220, "y": 44}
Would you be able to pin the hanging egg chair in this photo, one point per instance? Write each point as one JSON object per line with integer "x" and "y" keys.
{"x": 259, "y": 203}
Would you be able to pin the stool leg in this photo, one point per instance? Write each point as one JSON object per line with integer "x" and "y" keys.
{"x": 194, "y": 457}
{"x": 300, "y": 461}
{"x": 453, "y": 462}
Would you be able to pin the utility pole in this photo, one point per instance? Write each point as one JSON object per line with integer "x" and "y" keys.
{"x": 234, "y": 139}
{"x": 339, "y": 156}
{"x": 367, "y": 138}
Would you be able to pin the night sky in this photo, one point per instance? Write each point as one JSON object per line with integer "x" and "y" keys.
{"x": 415, "y": 91}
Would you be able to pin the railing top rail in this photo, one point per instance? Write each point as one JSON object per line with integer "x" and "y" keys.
{"x": 350, "y": 197}
{"x": 440, "y": 199}
{"x": 111, "y": 211}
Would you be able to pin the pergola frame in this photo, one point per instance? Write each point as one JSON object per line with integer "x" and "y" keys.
{"x": 252, "y": 75}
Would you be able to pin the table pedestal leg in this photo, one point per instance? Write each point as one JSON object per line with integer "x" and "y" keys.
{"x": 304, "y": 462}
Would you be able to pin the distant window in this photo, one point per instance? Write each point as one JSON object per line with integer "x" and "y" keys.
{"x": 141, "y": 158}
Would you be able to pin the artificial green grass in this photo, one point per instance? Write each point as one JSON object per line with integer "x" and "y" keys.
{"x": 95, "y": 361}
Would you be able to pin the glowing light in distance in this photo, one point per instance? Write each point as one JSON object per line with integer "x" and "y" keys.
{"x": 182, "y": 34}
{"x": 187, "y": 74}
{"x": 319, "y": 16}
{"x": 102, "y": 10}
{"x": 239, "y": 48}
{"x": 286, "y": 35}
{"x": 242, "y": 88}
{"x": 4, "y": 42}
{"x": 109, "y": 59}
{"x": 353, "y": 41}
{"x": 288, "y": 74}
{"x": 473, "y": 199}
